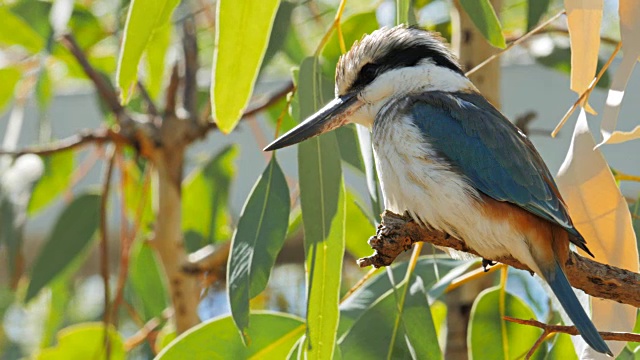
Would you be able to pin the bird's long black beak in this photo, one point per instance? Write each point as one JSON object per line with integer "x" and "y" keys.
{"x": 333, "y": 115}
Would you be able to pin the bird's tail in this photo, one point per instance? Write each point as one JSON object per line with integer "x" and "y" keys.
{"x": 563, "y": 291}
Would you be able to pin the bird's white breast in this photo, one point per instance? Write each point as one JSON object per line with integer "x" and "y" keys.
{"x": 414, "y": 179}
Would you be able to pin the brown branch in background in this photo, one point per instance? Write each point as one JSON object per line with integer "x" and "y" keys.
{"x": 104, "y": 248}
{"x": 104, "y": 88}
{"x": 147, "y": 331}
{"x": 397, "y": 233}
{"x": 190, "y": 48}
{"x": 97, "y": 136}
{"x": 171, "y": 99}
{"x": 571, "y": 330}
{"x": 210, "y": 261}
{"x": 151, "y": 106}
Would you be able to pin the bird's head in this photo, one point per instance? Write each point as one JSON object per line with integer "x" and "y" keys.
{"x": 388, "y": 63}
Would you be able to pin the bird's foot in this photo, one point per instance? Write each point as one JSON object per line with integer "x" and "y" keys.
{"x": 486, "y": 263}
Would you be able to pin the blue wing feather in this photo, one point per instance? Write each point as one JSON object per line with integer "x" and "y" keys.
{"x": 497, "y": 158}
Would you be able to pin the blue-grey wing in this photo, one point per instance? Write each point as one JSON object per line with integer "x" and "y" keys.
{"x": 497, "y": 158}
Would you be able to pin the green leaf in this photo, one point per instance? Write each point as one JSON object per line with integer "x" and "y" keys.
{"x": 10, "y": 77}
{"x": 60, "y": 296}
{"x": 10, "y": 234}
{"x": 359, "y": 228}
{"x": 486, "y": 333}
{"x": 58, "y": 168}
{"x": 242, "y": 33}
{"x": 70, "y": 236}
{"x": 21, "y": 32}
{"x": 146, "y": 280}
{"x": 560, "y": 60}
{"x": 562, "y": 348}
{"x": 272, "y": 336}
{"x": 257, "y": 241}
{"x": 144, "y": 19}
{"x": 155, "y": 59}
{"x": 323, "y": 203}
{"x": 402, "y": 11}
{"x": 85, "y": 341}
{"x": 43, "y": 89}
{"x": 484, "y": 18}
{"x": 371, "y": 336}
{"x": 535, "y": 10}
{"x": 280, "y": 31}
{"x": 349, "y": 146}
{"x": 205, "y": 218}
{"x": 353, "y": 29}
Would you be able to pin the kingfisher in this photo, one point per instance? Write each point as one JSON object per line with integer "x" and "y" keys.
{"x": 447, "y": 157}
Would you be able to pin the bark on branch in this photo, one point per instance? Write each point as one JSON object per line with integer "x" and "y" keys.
{"x": 397, "y": 233}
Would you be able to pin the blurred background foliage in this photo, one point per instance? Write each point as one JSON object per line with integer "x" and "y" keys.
{"x": 95, "y": 286}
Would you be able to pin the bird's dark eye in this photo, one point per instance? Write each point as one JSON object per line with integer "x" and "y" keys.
{"x": 368, "y": 72}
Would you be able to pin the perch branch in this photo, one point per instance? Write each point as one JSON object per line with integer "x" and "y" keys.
{"x": 397, "y": 233}
{"x": 571, "y": 330}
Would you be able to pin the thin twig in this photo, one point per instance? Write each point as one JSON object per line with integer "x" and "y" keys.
{"x": 172, "y": 91}
{"x": 190, "y": 48}
{"x": 104, "y": 88}
{"x": 571, "y": 330}
{"x": 514, "y": 43}
{"x": 97, "y": 136}
{"x": 104, "y": 249}
{"x": 334, "y": 25}
{"x": 584, "y": 97}
{"x": 151, "y": 106}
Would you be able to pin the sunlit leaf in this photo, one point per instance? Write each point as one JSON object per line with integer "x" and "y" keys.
{"x": 205, "y": 217}
{"x": 71, "y": 234}
{"x": 272, "y": 336}
{"x": 242, "y": 33}
{"x": 144, "y": 19}
{"x": 155, "y": 59}
{"x": 85, "y": 341}
{"x": 402, "y": 11}
{"x": 535, "y": 10}
{"x": 353, "y": 28}
{"x": 562, "y": 348}
{"x": 372, "y": 334}
{"x": 630, "y": 35}
{"x": 600, "y": 213}
{"x": 486, "y": 333}
{"x": 583, "y": 22}
{"x": 146, "y": 280}
{"x": 257, "y": 241}
{"x": 359, "y": 229}
{"x": 58, "y": 168}
{"x": 21, "y": 32}
{"x": 10, "y": 77}
{"x": 58, "y": 302}
{"x": 484, "y": 17}
{"x": 323, "y": 202}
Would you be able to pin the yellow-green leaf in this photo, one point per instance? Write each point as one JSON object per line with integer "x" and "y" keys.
{"x": 242, "y": 34}
{"x": 485, "y": 19}
{"x": 155, "y": 59}
{"x": 58, "y": 168}
{"x": 21, "y": 33}
{"x": 144, "y": 19}
{"x": 10, "y": 77}
{"x": 85, "y": 341}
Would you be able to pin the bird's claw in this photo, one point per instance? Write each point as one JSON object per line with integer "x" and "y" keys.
{"x": 486, "y": 263}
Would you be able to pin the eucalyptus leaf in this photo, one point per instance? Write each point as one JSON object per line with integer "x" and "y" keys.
{"x": 535, "y": 10}
{"x": 486, "y": 21}
{"x": 58, "y": 168}
{"x": 71, "y": 234}
{"x": 10, "y": 77}
{"x": 85, "y": 341}
{"x": 257, "y": 241}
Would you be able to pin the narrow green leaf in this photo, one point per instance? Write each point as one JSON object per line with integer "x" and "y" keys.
{"x": 85, "y": 341}
{"x": 280, "y": 31}
{"x": 359, "y": 228}
{"x": 10, "y": 235}
{"x": 272, "y": 336}
{"x": 59, "y": 299}
{"x": 535, "y": 10}
{"x": 484, "y": 18}
{"x": 145, "y": 17}
{"x": 70, "y": 236}
{"x": 323, "y": 203}
{"x": 485, "y": 328}
{"x": 349, "y": 147}
{"x": 257, "y": 241}
{"x": 58, "y": 168}
{"x": 353, "y": 28}
{"x": 242, "y": 33}
{"x": 21, "y": 32}
{"x": 402, "y": 11}
{"x": 146, "y": 280}
{"x": 43, "y": 90}
{"x": 10, "y": 77}
{"x": 155, "y": 59}
{"x": 371, "y": 335}
{"x": 205, "y": 218}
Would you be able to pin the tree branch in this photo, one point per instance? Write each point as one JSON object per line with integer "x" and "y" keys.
{"x": 397, "y": 233}
{"x": 97, "y": 136}
{"x": 571, "y": 330}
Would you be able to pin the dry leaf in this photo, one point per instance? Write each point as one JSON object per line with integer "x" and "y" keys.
{"x": 584, "y": 18}
{"x": 630, "y": 33}
{"x": 601, "y": 214}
